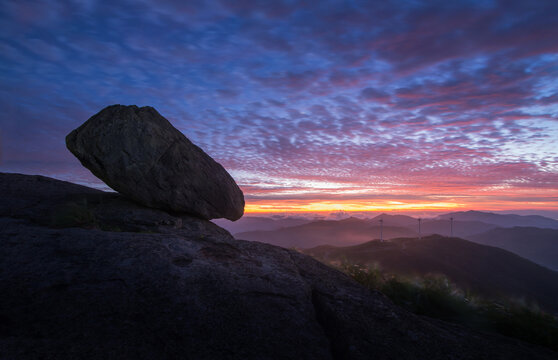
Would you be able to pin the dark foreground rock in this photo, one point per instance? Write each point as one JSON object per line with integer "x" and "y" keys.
{"x": 138, "y": 153}
{"x": 182, "y": 288}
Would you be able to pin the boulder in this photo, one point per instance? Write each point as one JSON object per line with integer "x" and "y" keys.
{"x": 138, "y": 153}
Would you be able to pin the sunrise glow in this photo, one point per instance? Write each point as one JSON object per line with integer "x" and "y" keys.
{"x": 364, "y": 106}
{"x": 326, "y": 206}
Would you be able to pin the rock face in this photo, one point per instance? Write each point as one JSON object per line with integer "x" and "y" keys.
{"x": 138, "y": 153}
{"x": 157, "y": 286}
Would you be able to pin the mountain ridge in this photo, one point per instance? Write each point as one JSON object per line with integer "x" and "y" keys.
{"x": 326, "y": 232}
{"x": 536, "y": 244}
{"x": 503, "y": 220}
{"x": 488, "y": 270}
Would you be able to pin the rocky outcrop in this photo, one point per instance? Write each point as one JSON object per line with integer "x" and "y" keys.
{"x": 87, "y": 274}
{"x": 138, "y": 153}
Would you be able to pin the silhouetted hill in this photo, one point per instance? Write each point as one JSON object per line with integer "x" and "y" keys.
{"x": 535, "y": 244}
{"x": 487, "y": 270}
{"x": 257, "y": 223}
{"x": 334, "y": 232}
{"x": 503, "y": 220}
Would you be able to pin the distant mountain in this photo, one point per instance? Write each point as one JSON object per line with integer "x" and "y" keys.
{"x": 253, "y": 223}
{"x": 465, "y": 224}
{"x": 460, "y": 228}
{"x": 503, "y": 220}
{"x": 395, "y": 220}
{"x": 535, "y": 244}
{"x": 483, "y": 269}
{"x": 349, "y": 231}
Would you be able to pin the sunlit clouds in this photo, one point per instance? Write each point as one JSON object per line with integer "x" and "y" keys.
{"x": 312, "y": 106}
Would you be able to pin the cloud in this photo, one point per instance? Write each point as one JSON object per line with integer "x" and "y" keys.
{"x": 399, "y": 98}
{"x": 370, "y": 93}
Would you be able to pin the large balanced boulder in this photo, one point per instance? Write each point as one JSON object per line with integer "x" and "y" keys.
{"x": 138, "y": 153}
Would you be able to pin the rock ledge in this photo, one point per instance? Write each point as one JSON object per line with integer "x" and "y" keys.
{"x": 90, "y": 275}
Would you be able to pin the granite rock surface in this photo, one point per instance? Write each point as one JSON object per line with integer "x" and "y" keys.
{"x": 91, "y": 275}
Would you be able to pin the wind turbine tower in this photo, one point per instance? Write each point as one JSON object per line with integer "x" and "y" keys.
{"x": 451, "y": 226}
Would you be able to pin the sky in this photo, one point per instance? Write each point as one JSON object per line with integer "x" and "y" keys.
{"x": 312, "y": 106}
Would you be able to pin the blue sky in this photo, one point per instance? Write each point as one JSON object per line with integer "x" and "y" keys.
{"x": 348, "y": 105}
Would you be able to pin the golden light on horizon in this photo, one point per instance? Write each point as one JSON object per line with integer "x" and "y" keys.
{"x": 331, "y": 206}
{"x": 432, "y": 198}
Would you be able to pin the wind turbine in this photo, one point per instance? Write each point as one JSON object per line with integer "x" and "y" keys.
{"x": 451, "y": 226}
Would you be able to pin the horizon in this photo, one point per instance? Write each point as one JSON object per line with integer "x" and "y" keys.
{"x": 366, "y": 215}
{"x": 405, "y": 108}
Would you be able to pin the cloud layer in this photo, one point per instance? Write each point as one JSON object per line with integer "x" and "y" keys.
{"x": 310, "y": 105}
